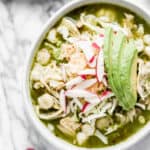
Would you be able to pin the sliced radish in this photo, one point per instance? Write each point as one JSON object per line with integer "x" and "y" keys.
{"x": 88, "y": 96}
{"x": 83, "y": 76}
{"x": 87, "y": 49}
{"x": 100, "y": 66}
{"x": 89, "y": 107}
{"x": 73, "y": 82}
{"x": 88, "y": 72}
{"x": 63, "y": 100}
{"x": 85, "y": 106}
{"x": 92, "y": 59}
{"x": 101, "y": 35}
{"x": 106, "y": 95}
{"x": 85, "y": 84}
{"x": 92, "y": 63}
{"x": 99, "y": 41}
{"x": 95, "y": 45}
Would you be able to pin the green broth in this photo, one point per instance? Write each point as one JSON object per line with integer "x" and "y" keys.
{"x": 122, "y": 133}
{"x": 116, "y": 137}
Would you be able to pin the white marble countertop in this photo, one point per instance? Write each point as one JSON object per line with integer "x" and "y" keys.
{"x": 20, "y": 23}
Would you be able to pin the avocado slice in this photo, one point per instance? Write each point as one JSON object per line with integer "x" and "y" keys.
{"x": 128, "y": 74}
{"x": 120, "y": 59}
{"x": 119, "y": 42}
{"x": 112, "y": 49}
{"x": 108, "y": 42}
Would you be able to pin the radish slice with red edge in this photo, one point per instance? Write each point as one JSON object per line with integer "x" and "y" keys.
{"x": 101, "y": 35}
{"x": 87, "y": 49}
{"x": 87, "y": 72}
{"x": 95, "y": 45}
{"x": 92, "y": 59}
{"x": 100, "y": 66}
{"x": 74, "y": 81}
{"x": 85, "y": 106}
{"x": 99, "y": 41}
{"x": 63, "y": 100}
{"x": 89, "y": 107}
{"x": 92, "y": 63}
{"x": 88, "y": 96}
{"x": 106, "y": 95}
{"x": 83, "y": 76}
{"x": 85, "y": 84}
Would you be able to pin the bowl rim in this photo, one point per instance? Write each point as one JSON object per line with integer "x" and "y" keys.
{"x": 39, "y": 126}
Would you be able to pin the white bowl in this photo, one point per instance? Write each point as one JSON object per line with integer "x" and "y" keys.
{"x": 49, "y": 137}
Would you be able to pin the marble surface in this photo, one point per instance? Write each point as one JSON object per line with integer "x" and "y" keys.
{"x": 20, "y": 23}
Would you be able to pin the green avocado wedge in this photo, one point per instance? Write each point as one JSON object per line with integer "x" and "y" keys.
{"x": 120, "y": 58}
{"x": 119, "y": 43}
{"x": 113, "y": 44}
{"x": 128, "y": 74}
{"x": 108, "y": 42}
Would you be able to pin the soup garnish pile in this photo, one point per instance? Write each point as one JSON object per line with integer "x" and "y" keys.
{"x": 90, "y": 79}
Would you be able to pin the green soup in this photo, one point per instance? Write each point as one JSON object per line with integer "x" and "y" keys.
{"x": 61, "y": 58}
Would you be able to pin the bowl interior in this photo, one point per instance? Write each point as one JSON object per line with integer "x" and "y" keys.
{"x": 29, "y": 108}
